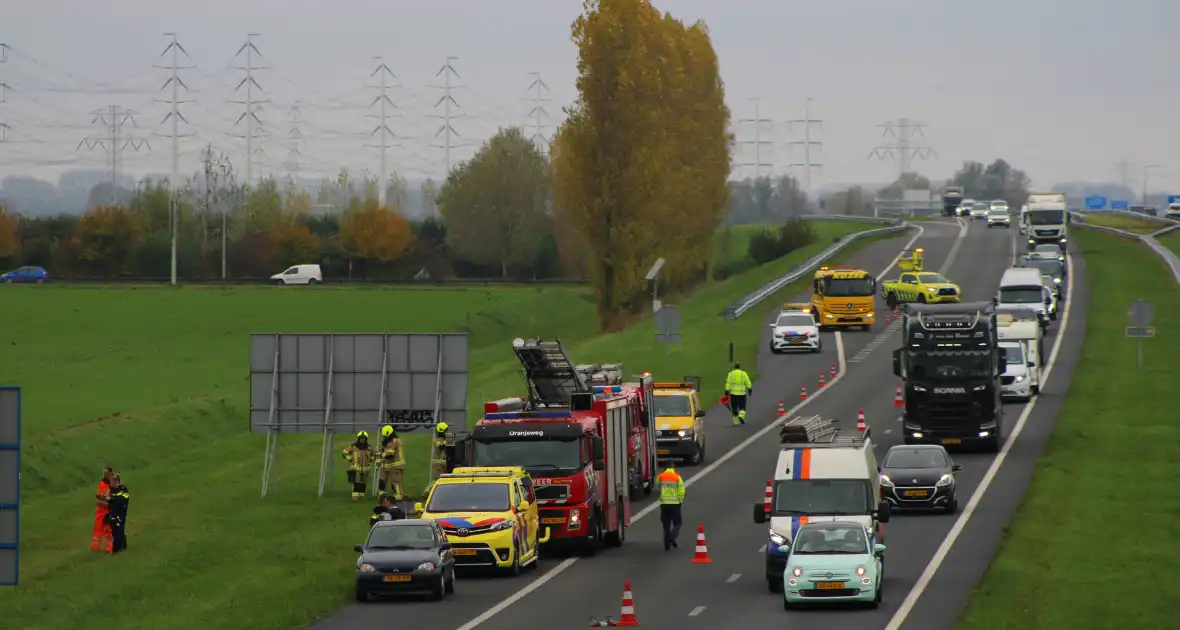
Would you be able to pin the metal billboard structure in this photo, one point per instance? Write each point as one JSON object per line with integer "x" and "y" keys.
{"x": 330, "y": 383}
{"x": 10, "y": 408}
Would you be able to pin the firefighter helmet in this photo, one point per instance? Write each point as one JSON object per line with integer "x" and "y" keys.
{"x": 441, "y": 427}
{"x": 362, "y": 435}
{"x": 386, "y": 431}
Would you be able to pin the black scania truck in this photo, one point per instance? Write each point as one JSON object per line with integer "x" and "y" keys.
{"x": 951, "y": 363}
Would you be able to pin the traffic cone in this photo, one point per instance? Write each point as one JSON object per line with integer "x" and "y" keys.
{"x": 822, "y": 382}
{"x": 782, "y": 411}
{"x": 768, "y": 500}
{"x": 802, "y": 392}
{"x": 832, "y": 373}
{"x": 899, "y": 398}
{"x": 701, "y": 556}
{"x": 861, "y": 427}
{"x": 627, "y": 616}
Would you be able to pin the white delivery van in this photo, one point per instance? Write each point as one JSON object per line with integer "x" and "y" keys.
{"x": 1022, "y": 287}
{"x": 1022, "y": 338}
{"x": 299, "y": 274}
{"x": 822, "y": 474}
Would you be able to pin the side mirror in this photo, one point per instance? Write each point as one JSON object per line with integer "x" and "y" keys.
{"x": 359, "y": 548}
{"x": 1030, "y": 364}
{"x": 956, "y": 467}
{"x": 773, "y": 326}
{"x": 1048, "y": 300}
{"x": 759, "y": 514}
{"x": 597, "y": 448}
{"x": 879, "y": 549}
{"x": 600, "y": 464}
{"x": 446, "y": 546}
{"x": 784, "y": 549}
{"x": 700, "y": 413}
{"x": 878, "y": 467}
{"x": 996, "y": 301}
{"x": 884, "y": 512}
{"x": 419, "y": 508}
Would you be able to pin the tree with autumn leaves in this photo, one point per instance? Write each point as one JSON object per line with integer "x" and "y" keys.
{"x": 9, "y": 239}
{"x": 641, "y": 164}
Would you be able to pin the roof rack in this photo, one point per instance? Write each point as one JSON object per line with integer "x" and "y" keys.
{"x": 816, "y": 432}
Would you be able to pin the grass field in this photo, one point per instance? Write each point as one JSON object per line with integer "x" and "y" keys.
{"x": 155, "y": 382}
{"x": 1103, "y": 505}
{"x": 732, "y": 244}
{"x": 1145, "y": 225}
{"x": 1171, "y": 240}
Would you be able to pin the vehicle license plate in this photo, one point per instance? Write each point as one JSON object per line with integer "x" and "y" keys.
{"x": 797, "y": 341}
{"x": 662, "y": 451}
{"x": 952, "y": 441}
{"x": 464, "y": 552}
{"x": 553, "y": 520}
{"x": 916, "y": 493}
{"x": 397, "y": 578}
{"x": 829, "y": 586}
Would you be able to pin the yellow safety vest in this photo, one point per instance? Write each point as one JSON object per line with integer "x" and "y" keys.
{"x": 671, "y": 488}
{"x": 737, "y": 383}
{"x": 394, "y": 455}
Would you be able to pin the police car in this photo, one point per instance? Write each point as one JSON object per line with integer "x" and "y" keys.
{"x": 795, "y": 329}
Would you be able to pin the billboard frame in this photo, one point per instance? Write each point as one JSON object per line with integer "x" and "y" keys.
{"x": 448, "y": 367}
{"x": 14, "y": 508}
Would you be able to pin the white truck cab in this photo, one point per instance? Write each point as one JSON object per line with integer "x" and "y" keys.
{"x": 1021, "y": 287}
{"x": 1047, "y": 219}
{"x": 1022, "y": 338}
{"x": 299, "y": 274}
{"x": 821, "y": 474}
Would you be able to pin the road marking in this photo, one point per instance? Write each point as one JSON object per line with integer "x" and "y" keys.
{"x": 762, "y": 549}
{"x": 944, "y": 549}
{"x": 564, "y": 565}
{"x": 696, "y": 611}
{"x": 733, "y": 578}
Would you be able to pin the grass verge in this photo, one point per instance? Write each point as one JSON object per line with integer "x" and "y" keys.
{"x": 154, "y": 380}
{"x": 1112, "y": 454}
{"x": 1171, "y": 240}
{"x": 1137, "y": 225}
{"x": 731, "y": 245}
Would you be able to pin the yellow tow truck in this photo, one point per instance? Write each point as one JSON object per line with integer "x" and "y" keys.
{"x": 916, "y": 285}
{"x": 842, "y": 296}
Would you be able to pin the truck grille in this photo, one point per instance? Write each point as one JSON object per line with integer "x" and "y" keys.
{"x": 946, "y": 291}
{"x": 1045, "y": 232}
{"x": 1007, "y": 380}
{"x": 947, "y": 414}
{"x": 556, "y": 492}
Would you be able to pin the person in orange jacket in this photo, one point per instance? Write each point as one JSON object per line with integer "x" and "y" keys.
{"x": 102, "y": 539}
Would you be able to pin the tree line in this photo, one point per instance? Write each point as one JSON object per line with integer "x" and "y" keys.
{"x": 998, "y": 180}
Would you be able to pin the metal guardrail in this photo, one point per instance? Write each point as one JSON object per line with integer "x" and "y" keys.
{"x": 739, "y": 307}
{"x": 1168, "y": 256}
{"x": 233, "y": 282}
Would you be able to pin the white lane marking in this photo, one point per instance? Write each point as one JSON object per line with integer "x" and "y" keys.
{"x": 733, "y": 578}
{"x": 696, "y": 611}
{"x": 842, "y": 365}
{"x": 762, "y": 549}
{"x": 936, "y": 561}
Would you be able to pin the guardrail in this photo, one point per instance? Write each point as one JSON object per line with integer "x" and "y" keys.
{"x": 739, "y": 307}
{"x": 1168, "y": 256}
{"x": 458, "y": 282}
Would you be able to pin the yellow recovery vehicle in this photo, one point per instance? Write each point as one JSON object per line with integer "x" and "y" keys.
{"x": 843, "y": 295}
{"x": 915, "y": 285}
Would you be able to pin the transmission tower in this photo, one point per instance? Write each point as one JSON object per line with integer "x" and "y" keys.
{"x": 295, "y": 135}
{"x": 447, "y": 101}
{"x": 3, "y": 93}
{"x": 175, "y": 117}
{"x": 388, "y": 80}
{"x": 758, "y": 143}
{"x": 1124, "y": 167}
{"x": 115, "y": 141}
{"x": 250, "y": 115}
{"x": 903, "y": 149}
{"x": 540, "y": 94}
{"x": 807, "y": 143}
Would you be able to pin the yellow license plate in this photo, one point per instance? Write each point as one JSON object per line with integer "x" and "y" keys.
{"x": 952, "y": 441}
{"x": 829, "y": 586}
{"x": 397, "y": 578}
{"x": 796, "y": 341}
{"x": 916, "y": 493}
{"x": 464, "y": 552}
{"x": 662, "y": 452}
{"x": 553, "y": 520}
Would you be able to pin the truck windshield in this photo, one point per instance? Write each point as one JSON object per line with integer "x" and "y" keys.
{"x": 1021, "y": 295}
{"x": 674, "y": 406}
{"x": 950, "y": 364}
{"x": 797, "y": 497}
{"x": 848, "y": 287}
{"x": 1014, "y": 353}
{"x": 541, "y": 455}
{"x": 1046, "y": 217}
{"x": 469, "y": 497}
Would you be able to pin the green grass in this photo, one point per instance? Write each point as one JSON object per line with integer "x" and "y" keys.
{"x": 732, "y": 244}
{"x": 1171, "y": 240}
{"x": 1102, "y": 507}
{"x": 155, "y": 381}
{"x": 1137, "y": 225}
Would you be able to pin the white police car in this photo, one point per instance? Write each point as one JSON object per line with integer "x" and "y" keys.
{"x": 795, "y": 329}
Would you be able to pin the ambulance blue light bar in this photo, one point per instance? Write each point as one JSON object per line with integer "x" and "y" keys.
{"x": 516, "y": 415}
{"x": 608, "y": 389}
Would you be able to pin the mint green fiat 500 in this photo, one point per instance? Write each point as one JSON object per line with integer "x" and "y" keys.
{"x": 833, "y": 562}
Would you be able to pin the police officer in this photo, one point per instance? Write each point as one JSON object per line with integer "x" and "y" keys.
{"x": 738, "y": 387}
{"x": 671, "y": 500}
{"x": 393, "y": 462}
{"x": 360, "y": 460}
{"x": 118, "y": 503}
{"x": 386, "y": 510}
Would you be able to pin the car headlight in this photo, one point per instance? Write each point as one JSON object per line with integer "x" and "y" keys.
{"x": 930, "y": 289}
{"x": 684, "y": 433}
{"x": 365, "y": 568}
{"x": 945, "y": 480}
{"x": 812, "y": 335}
{"x": 861, "y": 570}
{"x": 502, "y": 525}
{"x": 886, "y": 481}
{"x": 776, "y": 539}
{"x": 1056, "y": 280}
{"x": 1020, "y": 378}
{"x": 797, "y": 572}
{"x": 426, "y": 566}
{"x": 829, "y": 316}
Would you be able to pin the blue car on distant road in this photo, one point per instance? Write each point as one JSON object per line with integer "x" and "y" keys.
{"x": 26, "y": 274}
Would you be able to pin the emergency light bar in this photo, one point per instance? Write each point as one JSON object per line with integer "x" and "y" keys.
{"x": 470, "y": 475}
{"x": 608, "y": 389}
{"x": 518, "y": 415}
{"x": 796, "y": 306}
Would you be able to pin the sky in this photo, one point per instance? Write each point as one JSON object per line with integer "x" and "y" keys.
{"x": 1063, "y": 89}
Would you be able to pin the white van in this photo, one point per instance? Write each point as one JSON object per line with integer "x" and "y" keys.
{"x": 1022, "y": 338}
{"x": 1021, "y": 287}
{"x": 821, "y": 474}
{"x": 299, "y": 274}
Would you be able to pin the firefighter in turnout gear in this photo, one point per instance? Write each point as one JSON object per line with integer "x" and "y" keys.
{"x": 361, "y": 460}
{"x": 738, "y": 387}
{"x": 671, "y": 500}
{"x": 393, "y": 462}
{"x": 438, "y": 452}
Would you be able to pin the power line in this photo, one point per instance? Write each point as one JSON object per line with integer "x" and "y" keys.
{"x": 807, "y": 143}
{"x": 1124, "y": 167}
{"x": 448, "y": 132}
{"x": 295, "y": 134}
{"x": 382, "y": 128}
{"x": 540, "y": 95}
{"x": 175, "y": 82}
{"x": 250, "y": 115}
{"x": 903, "y": 149}
{"x": 3, "y": 94}
{"x": 113, "y": 119}
{"x": 757, "y": 121}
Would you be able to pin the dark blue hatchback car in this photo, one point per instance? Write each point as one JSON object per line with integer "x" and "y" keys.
{"x": 26, "y": 274}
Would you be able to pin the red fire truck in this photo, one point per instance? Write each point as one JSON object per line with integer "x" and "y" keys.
{"x": 586, "y": 438}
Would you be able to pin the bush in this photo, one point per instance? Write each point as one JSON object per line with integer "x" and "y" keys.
{"x": 769, "y": 245}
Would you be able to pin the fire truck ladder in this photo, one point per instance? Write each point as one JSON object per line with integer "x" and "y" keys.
{"x": 550, "y": 374}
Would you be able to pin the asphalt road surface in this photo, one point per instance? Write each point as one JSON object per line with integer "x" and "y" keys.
{"x": 670, "y": 592}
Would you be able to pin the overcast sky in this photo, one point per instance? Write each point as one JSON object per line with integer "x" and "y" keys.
{"x": 1061, "y": 88}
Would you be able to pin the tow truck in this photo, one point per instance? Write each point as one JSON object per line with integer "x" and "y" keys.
{"x": 586, "y": 439}
{"x": 916, "y": 285}
{"x": 842, "y": 296}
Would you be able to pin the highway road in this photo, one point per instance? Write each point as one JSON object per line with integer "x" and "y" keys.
{"x": 671, "y": 592}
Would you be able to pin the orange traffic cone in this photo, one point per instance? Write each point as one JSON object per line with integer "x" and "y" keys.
{"x": 832, "y": 373}
{"x": 627, "y": 616}
{"x": 898, "y": 398}
{"x": 782, "y": 411}
{"x": 861, "y": 427}
{"x": 701, "y": 556}
{"x": 802, "y": 392}
{"x": 822, "y": 382}
{"x": 768, "y": 500}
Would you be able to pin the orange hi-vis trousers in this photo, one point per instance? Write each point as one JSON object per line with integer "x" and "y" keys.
{"x": 101, "y": 538}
